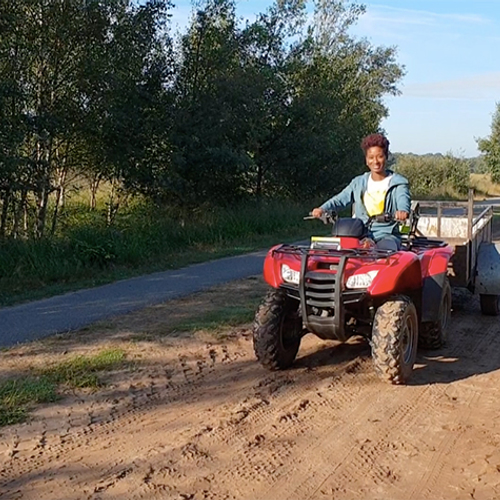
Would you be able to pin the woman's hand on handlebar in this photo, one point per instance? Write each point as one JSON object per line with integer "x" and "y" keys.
{"x": 317, "y": 213}
{"x": 401, "y": 215}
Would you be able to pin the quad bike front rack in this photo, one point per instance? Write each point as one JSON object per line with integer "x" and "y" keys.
{"x": 322, "y": 292}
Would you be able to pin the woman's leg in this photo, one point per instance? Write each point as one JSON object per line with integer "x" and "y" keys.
{"x": 389, "y": 242}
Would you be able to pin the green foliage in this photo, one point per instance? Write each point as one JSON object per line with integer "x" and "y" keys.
{"x": 434, "y": 176}
{"x": 274, "y": 107}
{"x": 81, "y": 83}
{"x": 144, "y": 238}
{"x": 255, "y": 115}
{"x": 18, "y": 395}
{"x": 478, "y": 165}
{"x": 83, "y": 371}
{"x": 490, "y": 147}
{"x": 233, "y": 112}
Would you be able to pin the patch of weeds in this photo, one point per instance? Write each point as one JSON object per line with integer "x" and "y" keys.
{"x": 82, "y": 371}
{"x": 17, "y": 395}
{"x": 214, "y": 320}
{"x": 141, "y": 337}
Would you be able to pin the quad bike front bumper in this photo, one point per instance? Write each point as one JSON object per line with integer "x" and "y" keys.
{"x": 323, "y": 295}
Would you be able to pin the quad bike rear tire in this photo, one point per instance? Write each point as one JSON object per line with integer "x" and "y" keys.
{"x": 395, "y": 339}
{"x": 277, "y": 330}
{"x": 489, "y": 304}
{"x": 433, "y": 335}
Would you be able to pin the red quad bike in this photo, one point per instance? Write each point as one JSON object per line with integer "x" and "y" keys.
{"x": 343, "y": 285}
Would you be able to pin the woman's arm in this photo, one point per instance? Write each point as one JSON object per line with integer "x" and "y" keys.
{"x": 403, "y": 202}
{"x": 337, "y": 202}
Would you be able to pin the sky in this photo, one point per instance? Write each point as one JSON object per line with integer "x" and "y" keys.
{"x": 451, "y": 53}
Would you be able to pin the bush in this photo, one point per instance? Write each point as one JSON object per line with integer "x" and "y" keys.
{"x": 435, "y": 176}
{"x": 144, "y": 238}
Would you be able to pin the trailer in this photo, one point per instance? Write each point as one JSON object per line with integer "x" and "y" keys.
{"x": 468, "y": 228}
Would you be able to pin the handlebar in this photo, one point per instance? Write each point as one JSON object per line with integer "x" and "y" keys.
{"x": 326, "y": 217}
{"x": 330, "y": 217}
{"x": 381, "y": 218}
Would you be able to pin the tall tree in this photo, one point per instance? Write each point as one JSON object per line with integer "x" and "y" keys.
{"x": 77, "y": 84}
{"x": 490, "y": 147}
{"x": 337, "y": 84}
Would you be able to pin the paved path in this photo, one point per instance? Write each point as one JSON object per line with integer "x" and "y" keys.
{"x": 75, "y": 310}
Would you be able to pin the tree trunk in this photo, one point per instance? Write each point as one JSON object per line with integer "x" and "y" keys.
{"x": 20, "y": 211}
{"x": 258, "y": 187}
{"x": 45, "y": 161}
{"x": 5, "y": 212}
{"x": 94, "y": 186}
{"x": 41, "y": 215}
{"x": 112, "y": 204}
{"x": 59, "y": 199}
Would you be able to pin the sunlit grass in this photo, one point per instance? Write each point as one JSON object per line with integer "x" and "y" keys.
{"x": 83, "y": 371}
{"x": 87, "y": 252}
{"x": 19, "y": 395}
{"x": 211, "y": 321}
{"x": 483, "y": 186}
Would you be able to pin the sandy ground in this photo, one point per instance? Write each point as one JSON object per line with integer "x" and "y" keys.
{"x": 195, "y": 417}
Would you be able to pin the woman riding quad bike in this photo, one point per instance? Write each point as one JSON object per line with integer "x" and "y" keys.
{"x": 389, "y": 292}
{"x": 379, "y": 191}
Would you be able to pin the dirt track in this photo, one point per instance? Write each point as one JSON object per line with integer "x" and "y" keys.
{"x": 196, "y": 418}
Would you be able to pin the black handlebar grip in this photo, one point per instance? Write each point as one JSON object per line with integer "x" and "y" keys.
{"x": 384, "y": 218}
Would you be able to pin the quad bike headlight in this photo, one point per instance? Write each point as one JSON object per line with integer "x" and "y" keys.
{"x": 289, "y": 275}
{"x": 361, "y": 280}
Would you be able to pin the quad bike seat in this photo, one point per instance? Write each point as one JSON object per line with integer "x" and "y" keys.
{"x": 349, "y": 227}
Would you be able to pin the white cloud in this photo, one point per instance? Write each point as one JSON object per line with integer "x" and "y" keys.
{"x": 485, "y": 86}
{"x": 400, "y": 16}
{"x": 396, "y": 25}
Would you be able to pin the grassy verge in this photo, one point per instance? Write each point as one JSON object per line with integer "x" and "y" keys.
{"x": 223, "y": 309}
{"x": 483, "y": 185}
{"x": 205, "y": 315}
{"x": 19, "y": 395}
{"x": 215, "y": 321}
{"x": 143, "y": 239}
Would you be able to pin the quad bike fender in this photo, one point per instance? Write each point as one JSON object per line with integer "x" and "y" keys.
{"x": 399, "y": 274}
{"x": 488, "y": 269}
{"x": 434, "y": 271}
{"x": 273, "y": 263}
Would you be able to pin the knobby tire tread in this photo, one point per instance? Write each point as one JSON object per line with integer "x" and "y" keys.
{"x": 386, "y": 339}
{"x": 432, "y": 335}
{"x": 267, "y": 342}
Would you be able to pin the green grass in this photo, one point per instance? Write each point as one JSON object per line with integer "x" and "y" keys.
{"x": 18, "y": 396}
{"x": 483, "y": 186}
{"x": 144, "y": 239}
{"x": 83, "y": 371}
{"x": 224, "y": 317}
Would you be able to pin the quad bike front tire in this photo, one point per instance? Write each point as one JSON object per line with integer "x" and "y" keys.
{"x": 489, "y": 304}
{"x": 277, "y": 330}
{"x": 394, "y": 339}
{"x": 433, "y": 335}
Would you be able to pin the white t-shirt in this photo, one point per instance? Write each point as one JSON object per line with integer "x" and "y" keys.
{"x": 374, "y": 197}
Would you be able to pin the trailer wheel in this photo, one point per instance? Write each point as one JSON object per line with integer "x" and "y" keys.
{"x": 489, "y": 304}
{"x": 277, "y": 330}
{"x": 433, "y": 335}
{"x": 394, "y": 339}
